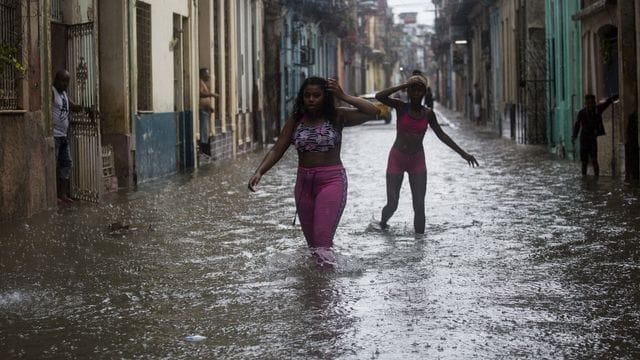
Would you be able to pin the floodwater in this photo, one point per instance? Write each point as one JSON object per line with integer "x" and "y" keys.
{"x": 522, "y": 258}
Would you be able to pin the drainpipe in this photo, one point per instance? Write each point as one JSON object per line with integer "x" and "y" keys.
{"x": 613, "y": 140}
{"x": 133, "y": 101}
{"x": 233, "y": 59}
{"x": 195, "y": 75}
{"x": 132, "y": 88}
{"x": 45, "y": 68}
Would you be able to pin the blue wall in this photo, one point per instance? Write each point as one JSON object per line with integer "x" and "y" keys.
{"x": 155, "y": 145}
{"x": 187, "y": 156}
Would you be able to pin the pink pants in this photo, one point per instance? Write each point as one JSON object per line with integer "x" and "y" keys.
{"x": 321, "y": 194}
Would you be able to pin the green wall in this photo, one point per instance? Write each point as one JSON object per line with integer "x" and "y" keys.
{"x": 564, "y": 68}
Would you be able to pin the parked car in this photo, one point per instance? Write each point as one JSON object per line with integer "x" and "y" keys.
{"x": 385, "y": 111}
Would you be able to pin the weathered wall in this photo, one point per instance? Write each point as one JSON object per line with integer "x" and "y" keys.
{"x": 162, "y": 56}
{"x": 272, "y": 78}
{"x": 565, "y": 70}
{"x": 628, "y": 85}
{"x": 155, "y": 145}
{"x": 115, "y": 118}
{"x": 27, "y": 166}
{"x": 536, "y": 87}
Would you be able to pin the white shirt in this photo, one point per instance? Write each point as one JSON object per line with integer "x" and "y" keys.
{"x": 60, "y": 113}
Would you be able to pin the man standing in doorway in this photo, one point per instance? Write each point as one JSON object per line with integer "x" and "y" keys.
{"x": 589, "y": 125}
{"x": 477, "y": 101}
{"x": 61, "y": 108}
{"x": 206, "y": 109}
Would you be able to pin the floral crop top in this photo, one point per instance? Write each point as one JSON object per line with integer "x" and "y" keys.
{"x": 316, "y": 138}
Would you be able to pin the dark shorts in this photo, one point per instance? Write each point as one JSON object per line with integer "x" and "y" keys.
{"x": 63, "y": 156}
{"x": 589, "y": 150}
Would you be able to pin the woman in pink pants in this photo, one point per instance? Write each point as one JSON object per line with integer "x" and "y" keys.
{"x": 315, "y": 129}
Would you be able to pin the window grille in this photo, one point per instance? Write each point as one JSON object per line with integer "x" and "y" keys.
{"x": 56, "y": 11}
{"x": 307, "y": 55}
{"x": 10, "y": 54}
{"x": 143, "y": 37}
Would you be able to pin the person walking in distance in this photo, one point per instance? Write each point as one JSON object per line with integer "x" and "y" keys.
{"x": 315, "y": 129}
{"x": 589, "y": 125}
{"x": 477, "y": 102}
{"x": 206, "y": 109}
{"x": 407, "y": 152}
{"x": 428, "y": 98}
{"x": 62, "y": 106}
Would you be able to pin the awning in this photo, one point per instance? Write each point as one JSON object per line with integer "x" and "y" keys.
{"x": 592, "y": 9}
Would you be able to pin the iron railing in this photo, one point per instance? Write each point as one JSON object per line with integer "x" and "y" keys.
{"x": 87, "y": 179}
{"x": 10, "y": 54}
{"x": 143, "y": 31}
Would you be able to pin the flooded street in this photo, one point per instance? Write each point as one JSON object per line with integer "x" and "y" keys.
{"x": 522, "y": 258}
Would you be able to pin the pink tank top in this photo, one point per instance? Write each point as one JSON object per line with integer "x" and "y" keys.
{"x": 410, "y": 125}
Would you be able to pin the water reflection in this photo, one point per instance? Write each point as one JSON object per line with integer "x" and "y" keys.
{"x": 522, "y": 257}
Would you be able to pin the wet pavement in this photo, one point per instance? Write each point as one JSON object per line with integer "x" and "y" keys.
{"x": 522, "y": 258}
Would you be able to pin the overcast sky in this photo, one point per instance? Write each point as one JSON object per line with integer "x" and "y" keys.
{"x": 424, "y": 9}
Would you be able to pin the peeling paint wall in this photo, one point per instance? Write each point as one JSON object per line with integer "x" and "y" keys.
{"x": 161, "y": 53}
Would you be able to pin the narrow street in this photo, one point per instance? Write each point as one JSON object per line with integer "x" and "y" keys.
{"x": 522, "y": 258}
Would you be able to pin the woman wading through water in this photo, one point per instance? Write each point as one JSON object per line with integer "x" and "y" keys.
{"x": 315, "y": 129}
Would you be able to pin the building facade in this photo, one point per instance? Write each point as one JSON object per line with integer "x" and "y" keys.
{"x": 26, "y": 136}
{"x": 135, "y": 64}
{"x": 609, "y": 58}
{"x": 498, "y": 45}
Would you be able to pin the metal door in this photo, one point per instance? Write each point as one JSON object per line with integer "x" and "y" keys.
{"x": 84, "y": 127}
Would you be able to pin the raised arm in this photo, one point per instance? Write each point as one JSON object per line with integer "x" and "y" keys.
{"x": 274, "y": 154}
{"x": 364, "y": 110}
{"x": 433, "y": 122}
{"x": 602, "y": 106}
{"x": 384, "y": 96}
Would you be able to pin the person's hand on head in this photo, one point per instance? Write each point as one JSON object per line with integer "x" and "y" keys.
{"x": 335, "y": 89}
{"x": 417, "y": 80}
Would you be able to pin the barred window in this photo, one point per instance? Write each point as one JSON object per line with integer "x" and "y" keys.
{"x": 56, "y": 11}
{"x": 143, "y": 37}
{"x": 10, "y": 54}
